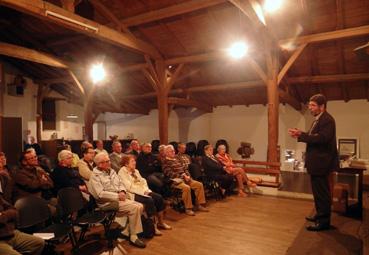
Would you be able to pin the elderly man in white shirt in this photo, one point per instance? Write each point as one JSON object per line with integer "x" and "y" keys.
{"x": 106, "y": 187}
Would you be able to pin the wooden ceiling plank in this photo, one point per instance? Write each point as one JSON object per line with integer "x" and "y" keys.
{"x": 326, "y": 36}
{"x": 260, "y": 72}
{"x": 47, "y": 11}
{"x": 290, "y": 62}
{"x": 170, "y": 11}
{"x": 339, "y": 48}
{"x": 105, "y": 12}
{"x": 329, "y": 78}
{"x": 195, "y": 58}
{"x": 151, "y": 79}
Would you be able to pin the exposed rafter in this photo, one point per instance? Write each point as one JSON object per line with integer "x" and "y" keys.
{"x": 47, "y": 11}
{"x": 329, "y": 78}
{"x": 37, "y": 57}
{"x": 16, "y": 51}
{"x": 290, "y": 62}
{"x": 170, "y": 11}
{"x": 326, "y": 36}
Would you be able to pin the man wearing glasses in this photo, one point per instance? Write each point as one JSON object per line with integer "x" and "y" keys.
{"x": 321, "y": 159}
{"x": 30, "y": 178}
{"x": 108, "y": 189}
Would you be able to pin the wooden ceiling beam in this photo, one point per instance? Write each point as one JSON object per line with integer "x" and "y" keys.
{"x": 290, "y": 62}
{"x": 248, "y": 8}
{"x": 49, "y": 12}
{"x": 329, "y": 78}
{"x": 16, "y": 51}
{"x": 196, "y": 58}
{"x": 19, "y": 52}
{"x": 170, "y": 11}
{"x": 191, "y": 103}
{"x": 326, "y": 36}
{"x": 173, "y": 78}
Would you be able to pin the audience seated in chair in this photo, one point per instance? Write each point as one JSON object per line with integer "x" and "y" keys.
{"x": 116, "y": 156}
{"x": 149, "y": 167}
{"x": 134, "y": 148}
{"x": 30, "y": 179}
{"x": 107, "y": 188}
{"x": 231, "y": 168}
{"x": 161, "y": 156}
{"x": 12, "y": 241}
{"x": 64, "y": 176}
{"x": 86, "y": 164}
{"x": 138, "y": 190}
{"x": 193, "y": 168}
{"x": 100, "y": 147}
{"x": 178, "y": 173}
{"x": 34, "y": 145}
{"x": 6, "y": 179}
{"x": 75, "y": 156}
{"x": 216, "y": 171}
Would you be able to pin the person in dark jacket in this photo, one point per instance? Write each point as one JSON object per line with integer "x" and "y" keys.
{"x": 214, "y": 169}
{"x": 149, "y": 167}
{"x": 64, "y": 176}
{"x": 321, "y": 159}
{"x": 12, "y": 241}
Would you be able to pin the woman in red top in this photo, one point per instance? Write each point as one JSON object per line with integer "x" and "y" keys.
{"x": 232, "y": 169}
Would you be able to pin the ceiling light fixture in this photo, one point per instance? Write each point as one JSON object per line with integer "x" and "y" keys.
{"x": 272, "y": 5}
{"x": 70, "y": 20}
{"x": 238, "y": 50}
{"x": 97, "y": 73}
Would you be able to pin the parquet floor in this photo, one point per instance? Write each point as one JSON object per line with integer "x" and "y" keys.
{"x": 254, "y": 225}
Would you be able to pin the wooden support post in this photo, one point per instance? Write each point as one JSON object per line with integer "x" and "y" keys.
{"x": 2, "y": 85}
{"x": 273, "y": 105}
{"x": 40, "y": 98}
{"x": 162, "y": 99}
{"x": 88, "y": 117}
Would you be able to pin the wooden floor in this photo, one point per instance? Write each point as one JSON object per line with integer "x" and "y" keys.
{"x": 254, "y": 225}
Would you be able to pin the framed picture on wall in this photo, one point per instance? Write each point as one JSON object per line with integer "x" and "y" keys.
{"x": 348, "y": 147}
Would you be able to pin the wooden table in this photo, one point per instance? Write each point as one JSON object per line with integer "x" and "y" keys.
{"x": 357, "y": 209}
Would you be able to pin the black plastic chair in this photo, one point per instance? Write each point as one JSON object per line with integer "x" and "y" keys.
{"x": 75, "y": 213}
{"x": 200, "y": 147}
{"x": 175, "y": 145}
{"x": 155, "y": 146}
{"x": 221, "y": 142}
{"x": 191, "y": 149}
{"x": 33, "y": 215}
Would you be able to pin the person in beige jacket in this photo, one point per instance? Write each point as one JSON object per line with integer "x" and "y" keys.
{"x": 107, "y": 188}
{"x": 138, "y": 191}
{"x": 86, "y": 164}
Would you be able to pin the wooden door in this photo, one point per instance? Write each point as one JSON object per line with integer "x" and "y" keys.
{"x": 11, "y": 133}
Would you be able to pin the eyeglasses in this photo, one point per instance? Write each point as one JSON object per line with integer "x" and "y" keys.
{"x": 105, "y": 162}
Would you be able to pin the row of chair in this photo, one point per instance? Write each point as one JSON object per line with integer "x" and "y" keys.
{"x": 35, "y": 217}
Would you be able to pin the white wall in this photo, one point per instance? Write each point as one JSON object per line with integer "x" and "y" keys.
{"x": 21, "y": 106}
{"x": 70, "y": 129}
{"x": 143, "y": 127}
{"x": 25, "y": 107}
{"x": 241, "y": 123}
{"x": 352, "y": 120}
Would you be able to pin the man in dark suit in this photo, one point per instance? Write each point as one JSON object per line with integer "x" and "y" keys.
{"x": 321, "y": 159}
{"x": 214, "y": 169}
